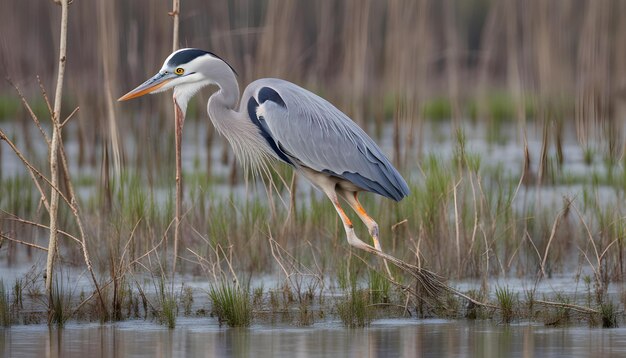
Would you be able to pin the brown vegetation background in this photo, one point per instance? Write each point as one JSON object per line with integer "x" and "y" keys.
{"x": 355, "y": 51}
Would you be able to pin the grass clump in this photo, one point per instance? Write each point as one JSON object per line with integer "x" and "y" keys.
{"x": 354, "y": 309}
{"x": 608, "y": 313}
{"x": 60, "y": 304}
{"x": 231, "y": 304}
{"x": 560, "y": 315}
{"x": 305, "y": 317}
{"x": 379, "y": 287}
{"x": 169, "y": 308}
{"x": 506, "y": 301}
{"x": 187, "y": 300}
{"x": 5, "y": 310}
{"x": 474, "y": 311}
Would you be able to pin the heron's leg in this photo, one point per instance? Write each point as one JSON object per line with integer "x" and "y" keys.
{"x": 353, "y": 240}
{"x": 329, "y": 189}
{"x": 352, "y": 200}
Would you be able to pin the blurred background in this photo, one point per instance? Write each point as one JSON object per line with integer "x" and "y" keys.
{"x": 376, "y": 59}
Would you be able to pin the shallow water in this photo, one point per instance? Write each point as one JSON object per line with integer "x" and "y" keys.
{"x": 384, "y": 338}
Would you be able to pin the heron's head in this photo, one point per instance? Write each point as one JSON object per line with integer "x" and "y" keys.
{"x": 186, "y": 71}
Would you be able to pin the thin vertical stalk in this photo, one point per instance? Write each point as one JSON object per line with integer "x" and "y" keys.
{"x": 179, "y": 120}
{"x": 175, "y": 16}
{"x": 107, "y": 47}
{"x": 54, "y": 153}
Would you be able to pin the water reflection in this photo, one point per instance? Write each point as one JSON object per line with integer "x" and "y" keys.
{"x": 385, "y": 338}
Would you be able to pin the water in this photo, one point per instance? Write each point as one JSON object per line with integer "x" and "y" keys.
{"x": 409, "y": 337}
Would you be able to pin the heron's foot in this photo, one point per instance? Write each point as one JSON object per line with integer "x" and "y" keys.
{"x": 354, "y": 241}
{"x": 376, "y": 240}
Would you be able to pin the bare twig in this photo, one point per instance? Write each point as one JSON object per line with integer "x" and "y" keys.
{"x": 555, "y": 225}
{"x": 44, "y": 94}
{"x": 54, "y": 152}
{"x": 28, "y": 222}
{"x": 179, "y": 118}
{"x": 32, "y": 171}
{"x": 69, "y": 117}
{"x": 175, "y": 14}
{"x": 456, "y": 227}
{"x": 22, "y": 242}
{"x": 578, "y": 308}
{"x": 30, "y": 111}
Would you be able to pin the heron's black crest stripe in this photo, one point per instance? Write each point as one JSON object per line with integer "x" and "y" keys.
{"x": 260, "y": 123}
{"x": 186, "y": 56}
{"x": 269, "y": 94}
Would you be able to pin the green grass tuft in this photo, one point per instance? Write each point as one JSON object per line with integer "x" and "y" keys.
{"x": 60, "y": 303}
{"x": 506, "y": 301}
{"x": 354, "y": 310}
{"x": 379, "y": 287}
{"x": 5, "y": 309}
{"x": 169, "y": 308}
{"x": 609, "y": 312}
{"x": 231, "y": 304}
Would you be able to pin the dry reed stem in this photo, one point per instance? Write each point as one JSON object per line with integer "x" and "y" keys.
{"x": 278, "y": 251}
{"x": 217, "y": 249}
{"x": 56, "y": 148}
{"x": 555, "y": 225}
{"x": 578, "y": 308}
{"x": 456, "y": 227}
{"x": 30, "y": 111}
{"x": 34, "y": 172}
{"x": 71, "y": 202}
{"x": 175, "y": 14}
{"x": 69, "y": 117}
{"x": 593, "y": 244}
{"x": 54, "y": 152}
{"x": 475, "y": 226}
{"x": 527, "y": 235}
{"x": 42, "y": 226}
{"x": 107, "y": 37}
{"x": 44, "y": 94}
{"x": 22, "y": 242}
{"x": 179, "y": 120}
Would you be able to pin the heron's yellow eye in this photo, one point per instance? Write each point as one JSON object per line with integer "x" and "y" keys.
{"x": 179, "y": 71}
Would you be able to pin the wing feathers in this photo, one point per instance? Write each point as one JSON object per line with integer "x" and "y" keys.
{"x": 303, "y": 128}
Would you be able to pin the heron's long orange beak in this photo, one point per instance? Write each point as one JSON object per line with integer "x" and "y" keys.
{"x": 151, "y": 85}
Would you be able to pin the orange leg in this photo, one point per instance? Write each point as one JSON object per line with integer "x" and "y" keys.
{"x": 352, "y": 199}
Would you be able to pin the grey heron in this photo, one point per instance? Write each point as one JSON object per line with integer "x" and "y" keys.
{"x": 278, "y": 120}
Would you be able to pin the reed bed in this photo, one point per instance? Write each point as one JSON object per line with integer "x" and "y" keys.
{"x": 420, "y": 76}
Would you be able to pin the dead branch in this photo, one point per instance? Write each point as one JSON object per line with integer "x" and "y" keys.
{"x": 22, "y": 242}
{"x": 578, "y": 308}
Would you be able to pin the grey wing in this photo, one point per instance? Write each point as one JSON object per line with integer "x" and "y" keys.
{"x": 303, "y": 129}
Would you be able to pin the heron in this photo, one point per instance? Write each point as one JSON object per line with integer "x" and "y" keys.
{"x": 276, "y": 120}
